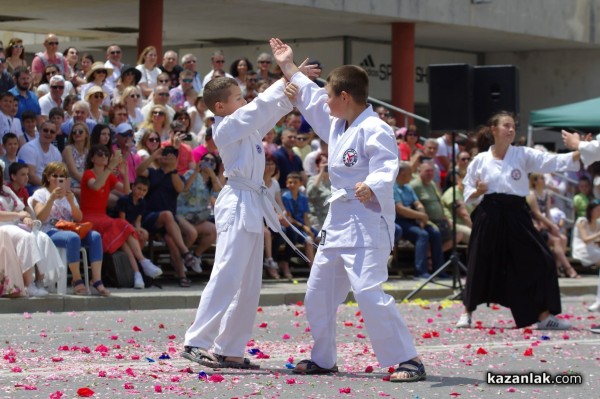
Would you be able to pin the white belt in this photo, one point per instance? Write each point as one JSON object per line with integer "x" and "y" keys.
{"x": 271, "y": 209}
{"x": 343, "y": 194}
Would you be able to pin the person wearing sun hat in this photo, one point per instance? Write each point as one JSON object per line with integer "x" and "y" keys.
{"x": 95, "y": 96}
{"x": 96, "y": 76}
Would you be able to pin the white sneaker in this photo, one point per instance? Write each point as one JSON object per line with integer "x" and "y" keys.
{"x": 464, "y": 321}
{"x": 41, "y": 289}
{"x": 197, "y": 266}
{"x": 32, "y": 291}
{"x": 595, "y": 307}
{"x": 150, "y": 269}
{"x": 553, "y": 323}
{"x": 138, "y": 281}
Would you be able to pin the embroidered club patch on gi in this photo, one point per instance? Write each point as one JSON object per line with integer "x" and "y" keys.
{"x": 323, "y": 237}
{"x": 515, "y": 174}
{"x": 350, "y": 157}
{"x": 259, "y": 148}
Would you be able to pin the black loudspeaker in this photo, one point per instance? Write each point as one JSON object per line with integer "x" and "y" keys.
{"x": 496, "y": 88}
{"x": 450, "y": 97}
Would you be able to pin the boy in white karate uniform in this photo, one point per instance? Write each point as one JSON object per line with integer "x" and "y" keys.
{"x": 227, "y": 308}
{"x": 358, "y": 232}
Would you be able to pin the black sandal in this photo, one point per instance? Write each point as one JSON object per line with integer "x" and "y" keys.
{"x": 415, "y": 371}
{"x": 79, "y": 287}
{"x": 198, "y": 355}
{"x": 185, "y": 282}
{"x": 100, "y": 288}
{"x": 313, "y": 368}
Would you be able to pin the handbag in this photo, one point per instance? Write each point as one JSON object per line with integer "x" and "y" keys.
{"x": 82, "y": 229}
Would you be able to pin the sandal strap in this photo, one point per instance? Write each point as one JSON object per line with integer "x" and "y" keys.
{"x": 413, "y": 367}
{"x": 75, "y": 283}
{"x": 97, "y": 284}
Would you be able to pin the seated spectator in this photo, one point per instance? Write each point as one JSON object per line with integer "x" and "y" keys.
{"x": 239, "y": 70}
{"x": 196, "y": 201}
{"x": 97, "y": 76}
{"x": 81, "y": 113}
{"x": 95, "y": 96}
{"x": 158, "y": 120}
{"x": 101, "y": 134}
{"x": 586, "y": 236}
{"x": 160, "y": 97}
{"x": 582, "y": 199}
{"x": 444, "y": 154}
{"x": 87, "y": 60}
{"x": 10, "y": 142}
{"x": 463, "y": 211}
{"x": 184, "y": 118}
{"x": 429, "y": 153}
{"x": 15, "y": 55}
{"x": 50, "y": 56}
{"x": 17, "y": 180}
{"x": 185, "y": 159}
{"x": 132, "y": 207}
{"x": 131, "y": 100}
{"x": 414, "y": 223}
{"x": 75, "y": 153}
{"x": 171, "y": 68}
{"x": 32, "y": 248}
{"x": 197, "y": 115}
{"x": 296, "y": 205}
{"x": 147, "y": 65}
{"x": 67, "y": 105}
{"x": 318, "y": 190}
{"x": 268, "y": 144}
{"x": 209, "y": 146}
{"x": 55, "y": 201}
{"x": 71, "y": 54}
{"x": 462, "y": 163}
{"x": 53, "y": 99}
{"x": 302, "y": 147}
{"x": 6, "y": 77}
{"x": 124, "y": 145}
{"x": 12, "y": 277}
{"x": 96, "y": 185}
{"x": 217, "y": 60}
{"x": 149, "y": 143}
{"x": 161, "y": 211}
{"x": 428, "y": 194}
{"x": 39, "y": 153}
{"x": 30, "y": 133}
{"x": 27, "y": 99}
{"x": 43, "y": 88}
{"x": 287, "y": 161}
{"x": 177, "y": 94}
{"x": 249, "y": 91}
{"x": 130, "y": 77}
{"x": 410, "y": 143}
{"x": 117, "y": 114}
{"x": 264, "y": 61}
{"x": 538, "y": 200}
{"x": 8, "y": 123}
{"x": 57, "y": 116}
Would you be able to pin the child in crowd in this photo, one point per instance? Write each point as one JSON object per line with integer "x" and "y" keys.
{"x": 10, "y": 142}
{"x": 132, "y": 207}
{"x": 358, "y": 233}
{"x": 19, "y": 177}
{"x": 296, "y": 204}
{"x": 28, "y": 121}
{"x": 227, "y": 309}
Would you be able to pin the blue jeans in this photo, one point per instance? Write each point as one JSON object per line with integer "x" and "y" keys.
{"x": 72, "y": 243}
{"x": 421, "y": 238}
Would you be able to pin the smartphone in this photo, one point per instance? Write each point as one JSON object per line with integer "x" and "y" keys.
{"x": 62, "y": 183}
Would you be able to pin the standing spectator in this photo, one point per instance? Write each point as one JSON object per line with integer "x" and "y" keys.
{"x": 218, "y": 61}
{"x": 130, "y": 77}
{"x": 87, "y": 60}
{"x": 50, "y": 56}
{"x": 113, "y": 63}
{"x": 72, "y": 56}
{"x": 15, "y": 55}
{"x": 190, "y": 63}
{"x": 250, "y": 92}
{"x": 287, "y": 161}
{"x": 177, "y": 94}
{"x": 239, "y": 69}
{"x": 39, "y": 153}
{"x": 147, "y": 65}
{"x": 27, "y": 99}
{"x": 130, "y": 99}
{"x": 169, "y": 66}
{"x": 413, "y": 220}
{"x": 410, "y": 143}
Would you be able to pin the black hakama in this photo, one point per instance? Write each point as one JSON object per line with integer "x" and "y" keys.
{"x": 509, "y": 263}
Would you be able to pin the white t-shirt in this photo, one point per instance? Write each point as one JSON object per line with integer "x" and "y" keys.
{"x": 61, "y": 209}
{"x": 149, "y": 76}
{"x": 445, "y": 150}
{"x": 32, "y": 154}
{"x": 47, "y": 103}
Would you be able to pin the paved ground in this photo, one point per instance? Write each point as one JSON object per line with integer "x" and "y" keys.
{"x": 117, "y": 354}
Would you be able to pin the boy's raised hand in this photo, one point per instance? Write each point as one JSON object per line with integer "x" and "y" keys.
{"x": 291, "y": 91}
{"x": 571, "y": 140}
{"x": 284, "y": 55}
{"x": 310, "y": 70}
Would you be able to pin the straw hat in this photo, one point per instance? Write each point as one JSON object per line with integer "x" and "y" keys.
{"x": 96, "y": 66}
{"x": 93, "y": 90}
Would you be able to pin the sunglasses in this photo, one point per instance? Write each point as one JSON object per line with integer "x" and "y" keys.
{"x": 128, "y": 134}
{"x": 17, "y": 46}
{"x": 54, "y": 175}
{"x": 57, "y": 87}
{"x": 115, "y": 52}
{"x": 187, "y": 80}
{"x": 190, "y": 62}
{"x": 52, "y": 43}
{"x": 163, "y": 81}
{"x": 154, "y": 140}
{"x": 252, "y": 80}
{"x": 46, "y": 130}
{"x": 163, "y": 94}
{"x": 264, "y": 62}
{"x": 159, "y": 113}
{"x": 134, "y": 95}
{"x": 51, "y": 73}
{"x": 98, "y": 95}
{"x": 301, "y": 138}
{"x": 101, "y": 154}
{"x": 219, "y": 61}
{"x": 78, "y": 132}
{"x": 411, "y": 134}
{"x": 465, "y": 159}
